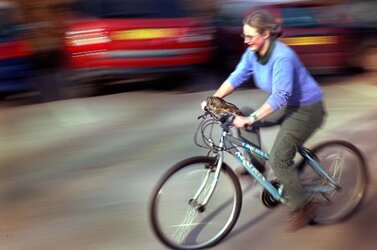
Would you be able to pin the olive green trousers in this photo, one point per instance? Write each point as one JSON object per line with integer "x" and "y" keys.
{"x": 297, "y": 124}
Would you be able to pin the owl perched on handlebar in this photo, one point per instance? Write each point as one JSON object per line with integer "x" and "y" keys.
{"x": 219, "y": 107}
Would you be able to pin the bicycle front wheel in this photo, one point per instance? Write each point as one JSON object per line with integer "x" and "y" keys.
{"x": 345, "y": 164}
{"x": 176, "y": 216}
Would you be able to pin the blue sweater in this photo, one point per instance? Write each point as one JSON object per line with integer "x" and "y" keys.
{"x": 283, "y": 76}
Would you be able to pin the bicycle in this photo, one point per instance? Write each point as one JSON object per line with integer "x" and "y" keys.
{"x": 197, "y": 202}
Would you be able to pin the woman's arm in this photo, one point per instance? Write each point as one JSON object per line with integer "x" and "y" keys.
{"x": 265, "y": 110}
{"x": 245, "y": 121}
{"x": 242, "y": 72}
{"x": 225, "y": 89}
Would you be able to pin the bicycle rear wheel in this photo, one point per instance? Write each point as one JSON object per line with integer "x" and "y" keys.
{"x": 178, "y": 220}
{"x": 345, "y": 164}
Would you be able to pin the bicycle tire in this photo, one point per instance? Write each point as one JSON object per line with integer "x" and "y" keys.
{"x": 205, "y": 229}
{"x": 346, "y": 164}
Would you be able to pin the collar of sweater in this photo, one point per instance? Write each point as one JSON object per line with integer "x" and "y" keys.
{"x": 264, "y": 59}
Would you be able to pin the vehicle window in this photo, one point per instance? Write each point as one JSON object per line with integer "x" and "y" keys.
{"x": 129, "y": 8}
{"x": 228, "y": 20}
{"x": 298, "y": 17}
{"x": 6, "y": 24}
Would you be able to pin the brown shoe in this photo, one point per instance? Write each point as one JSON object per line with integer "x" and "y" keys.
{"x": 301, "y": 217}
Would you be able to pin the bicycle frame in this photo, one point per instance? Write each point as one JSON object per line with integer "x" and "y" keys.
{"x": 276, "y": 193}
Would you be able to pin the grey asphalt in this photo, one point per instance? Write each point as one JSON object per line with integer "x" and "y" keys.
{"x": 77, "y": 174}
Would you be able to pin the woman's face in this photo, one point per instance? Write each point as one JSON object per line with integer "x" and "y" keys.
{"x": 253, "y": 39}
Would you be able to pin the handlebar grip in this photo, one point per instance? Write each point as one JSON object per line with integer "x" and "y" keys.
{"x": 248, "y": 128}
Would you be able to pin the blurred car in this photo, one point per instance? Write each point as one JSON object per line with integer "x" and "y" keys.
{"x": 321, "y": 46}
{"x": 362, "y": 18}
{"x": 130, "y": 39}
{"x": 15, "y": 52}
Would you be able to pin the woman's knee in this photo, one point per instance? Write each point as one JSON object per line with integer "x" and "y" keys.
{"x": 283, "y": 153}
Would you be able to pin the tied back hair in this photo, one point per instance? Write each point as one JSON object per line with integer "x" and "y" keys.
{"x": 263, "y": 21}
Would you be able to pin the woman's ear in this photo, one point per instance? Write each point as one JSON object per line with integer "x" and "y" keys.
{"x": 266, "y": 34}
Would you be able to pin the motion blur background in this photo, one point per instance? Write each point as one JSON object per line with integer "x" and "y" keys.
{"x": 55, "y": 48}
{"x": 99, "y": 97}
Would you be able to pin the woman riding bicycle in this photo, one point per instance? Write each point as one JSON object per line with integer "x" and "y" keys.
{"x": 295, "y": 103}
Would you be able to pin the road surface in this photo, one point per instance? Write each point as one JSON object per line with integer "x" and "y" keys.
{"x": 77, "y": 174}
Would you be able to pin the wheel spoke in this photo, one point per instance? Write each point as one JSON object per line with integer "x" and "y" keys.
{"x": 183, "y": 229}
{"x": 179, "y": 217}
{"x": 344, "y": 163}
{"x": 336, "y": 166}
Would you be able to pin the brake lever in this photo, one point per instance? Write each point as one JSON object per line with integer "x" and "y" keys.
{"x": 227, "y": 121}
{"x": 203, "y": 116}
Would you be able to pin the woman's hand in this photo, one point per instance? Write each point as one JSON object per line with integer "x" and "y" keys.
{"x": 242, "y": 121}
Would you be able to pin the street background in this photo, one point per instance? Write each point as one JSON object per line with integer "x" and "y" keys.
{"x": 77, "y": 174}
{"x": 95, "y": 105}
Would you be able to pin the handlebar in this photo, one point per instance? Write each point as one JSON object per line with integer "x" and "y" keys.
{"x": 210, "y": 119}
{"x": 226, "y": 120}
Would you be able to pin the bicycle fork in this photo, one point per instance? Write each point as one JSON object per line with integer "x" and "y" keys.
{"x": 202, "y": 189}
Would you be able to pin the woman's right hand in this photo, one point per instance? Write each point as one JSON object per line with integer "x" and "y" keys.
{"x": 242, "y": 122}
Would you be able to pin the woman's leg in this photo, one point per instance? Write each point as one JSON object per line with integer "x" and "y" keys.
{"x": 252, "y": 135}
{"x": 299, "y": 124}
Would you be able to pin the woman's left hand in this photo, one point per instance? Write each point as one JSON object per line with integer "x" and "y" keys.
{"x": 242, "y": 121}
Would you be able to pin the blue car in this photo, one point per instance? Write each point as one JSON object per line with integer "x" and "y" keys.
{"x": 15, "y": 53}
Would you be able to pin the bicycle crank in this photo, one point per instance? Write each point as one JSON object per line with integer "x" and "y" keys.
{"x": 267, "y": 198}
